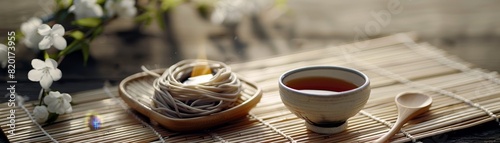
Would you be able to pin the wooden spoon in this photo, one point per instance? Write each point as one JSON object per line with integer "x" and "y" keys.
{"x": 409, "y": 104}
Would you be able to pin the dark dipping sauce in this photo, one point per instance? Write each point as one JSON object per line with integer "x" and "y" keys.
{"x": 318, "y": 84}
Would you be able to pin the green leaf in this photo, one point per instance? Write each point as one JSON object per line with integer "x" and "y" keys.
{"x": 169, "y": 4}
{"x": 19, "y": 35}
{"x": 62, "y": 5}
{"x": 160, "y": 20}
{"x": 71, "y": 47}
{"x": 88, "y": 22}
{"x": 86, "y": 53}
{"x": 78, "y": 35}
{"x": 146, "y": 17}
{"x": 100, "y": 2}
{"x": 204, "y": 10}
{"x": 52, "y": 118}
{"x": 281, "y": 4}
{"x": 46, "y": 55}
{"x": 97, "y": 32}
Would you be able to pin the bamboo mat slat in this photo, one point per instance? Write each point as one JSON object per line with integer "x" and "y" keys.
{"x": 463, "y": 97}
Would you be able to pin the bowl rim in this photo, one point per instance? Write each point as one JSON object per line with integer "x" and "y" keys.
{"x": 364, "y": 86}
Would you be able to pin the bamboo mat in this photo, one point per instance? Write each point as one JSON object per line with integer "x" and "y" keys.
{"x": 463, "y": 97}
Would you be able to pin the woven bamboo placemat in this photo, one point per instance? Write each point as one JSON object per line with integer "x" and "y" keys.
{"x": 463, "y": 97}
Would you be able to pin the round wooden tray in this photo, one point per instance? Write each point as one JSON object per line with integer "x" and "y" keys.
{"x": 137, "y": 90}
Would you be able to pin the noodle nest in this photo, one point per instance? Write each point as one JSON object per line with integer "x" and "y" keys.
{"x": 175, "y": 99}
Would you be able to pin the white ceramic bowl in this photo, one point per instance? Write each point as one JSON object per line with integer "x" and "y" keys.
{"x": 325, "y": 113}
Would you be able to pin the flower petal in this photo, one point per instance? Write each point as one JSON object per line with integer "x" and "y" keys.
{"x": 37, "y": 64}
{"x": 69, "y": 110}
{"x": 129, "y": 13}
{"x": 65, "y": 106}
{"x": 58, "y": 103}
{"x": 3, "y": 64}
{"x": 56, "y": 74}
{"x": 27, "y": 41}
{"x": 44, "y": 30}
{"x": 58, "y": 29}
{"x": 60, "y": 110}
{"x": 59, "y": 42}
{"x": 52, "y": 107}
{"x": 35, "y": 21}
{"x": 109, "y": 8}
{"x": 51, "y": 63}
{"x": 40, "y": 109}
{"x": 55, "y": 94}
{"x": 72, "y": 8}
{"x": 45, "y": 43}
{"x": 26, "y": 29}
{"x": 35, "y": 75}
{"x": 96, "y": 11}
{"x": 32, "y": 40}
{"x": 66, "y": 97}
{"x": 128, "y": 3}
{"x": 30, "y": 27}
{"x": 40, "y": 114}
{"x": 49, "y": 99}
{"x": 46, "y": 81}
{"x": 86, "y": 9}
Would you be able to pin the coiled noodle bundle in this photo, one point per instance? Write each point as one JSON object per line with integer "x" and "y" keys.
{"x": 174, "y": 99}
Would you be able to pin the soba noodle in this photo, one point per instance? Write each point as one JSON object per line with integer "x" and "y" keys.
{"x": 175, "y": 99}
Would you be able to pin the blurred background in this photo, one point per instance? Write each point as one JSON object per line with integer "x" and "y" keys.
{"x": 234, "y": 31}
{"x": 264, "y": 28}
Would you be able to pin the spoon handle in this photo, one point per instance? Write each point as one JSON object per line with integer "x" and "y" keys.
{"x": 404, "y": 114}
{"x": 395, "y": 129}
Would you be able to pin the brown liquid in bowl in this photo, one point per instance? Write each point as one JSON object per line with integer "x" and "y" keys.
{"x": 320, "y": 83}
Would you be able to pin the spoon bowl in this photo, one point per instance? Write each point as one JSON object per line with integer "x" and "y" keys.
{"x": 413, "y": 100}
{"x": 410, "y": 104}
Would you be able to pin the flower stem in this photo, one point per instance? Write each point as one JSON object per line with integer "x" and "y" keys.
{"x": 41, "y": 96}
{"x": 60, "y": 59}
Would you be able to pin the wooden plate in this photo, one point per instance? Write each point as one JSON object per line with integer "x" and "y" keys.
{"x": 137, "y": 90}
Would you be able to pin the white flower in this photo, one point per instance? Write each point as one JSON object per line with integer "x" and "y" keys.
{"x": 52, "y": 37}
{"x": 45, "y": 72}
{"x": 40, "y": 114}
{"x": 58, "y": 103}
{"x": 3, "y": 55}
{"x": 86, "y": 9}
{"x": 30, "y": 32}
{"x": 21, "y": 99}
{"x": 232, "y": 11}
{"x": 124, "y": 8}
